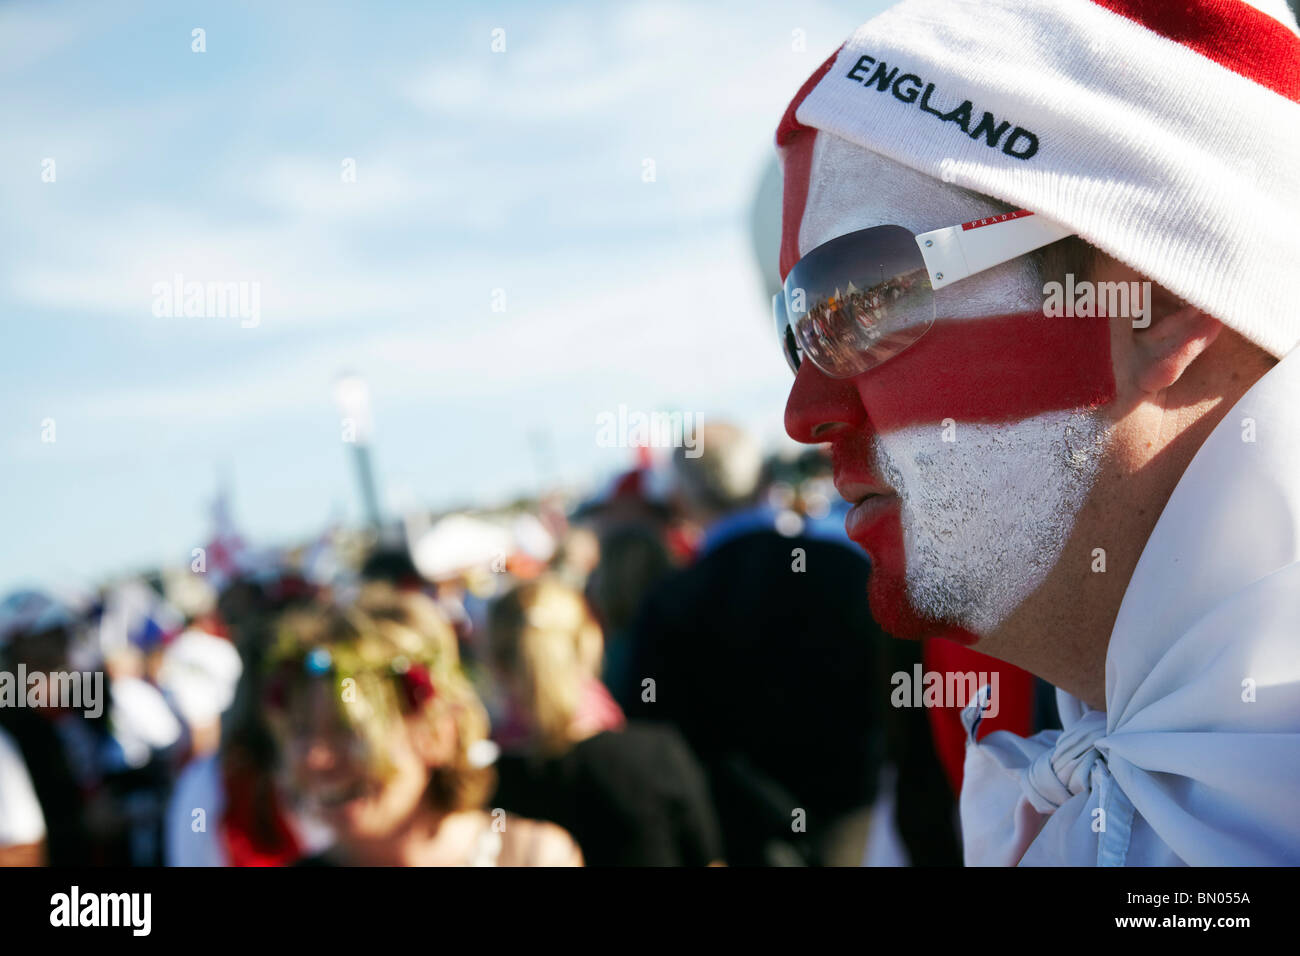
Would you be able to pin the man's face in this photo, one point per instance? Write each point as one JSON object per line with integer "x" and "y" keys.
{"x": 980, "y": 443}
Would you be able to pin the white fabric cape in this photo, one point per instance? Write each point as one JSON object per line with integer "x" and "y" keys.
{"x": 1196, "y": 759}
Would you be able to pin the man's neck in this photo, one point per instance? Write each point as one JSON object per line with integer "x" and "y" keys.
{"x": 1062, "y": 633}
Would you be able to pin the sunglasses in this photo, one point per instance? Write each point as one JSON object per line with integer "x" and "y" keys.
{"x": 862, "y": 298}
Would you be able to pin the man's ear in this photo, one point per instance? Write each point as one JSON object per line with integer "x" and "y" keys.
{"x": 1171, "y": 344}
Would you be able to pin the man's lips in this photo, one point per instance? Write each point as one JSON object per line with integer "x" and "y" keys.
{"x": 874, "y": 524}
{"x": 864, "y": 515}
{"x": 870, "y": 499}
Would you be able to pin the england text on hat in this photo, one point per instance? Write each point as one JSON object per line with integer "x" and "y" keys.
{"x": 910, "y": 88}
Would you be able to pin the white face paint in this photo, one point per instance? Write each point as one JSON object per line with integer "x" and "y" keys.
{"x": 985, "y": 516}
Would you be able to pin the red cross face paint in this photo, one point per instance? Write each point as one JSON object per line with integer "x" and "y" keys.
{"x": 968, "y": 455}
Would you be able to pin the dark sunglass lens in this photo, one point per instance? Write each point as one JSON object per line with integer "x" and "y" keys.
{"x": 860, "y": 299}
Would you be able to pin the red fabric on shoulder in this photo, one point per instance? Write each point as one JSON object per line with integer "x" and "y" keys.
{"x": 1015, "y": 702}
{"x": 255, "y": 832}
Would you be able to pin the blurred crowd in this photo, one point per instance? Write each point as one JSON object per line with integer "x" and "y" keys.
{"x": 680, "y": 670}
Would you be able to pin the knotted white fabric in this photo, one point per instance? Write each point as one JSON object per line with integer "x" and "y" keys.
{"x": 1196, "y": 759}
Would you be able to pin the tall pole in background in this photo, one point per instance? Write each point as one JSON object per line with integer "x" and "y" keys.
{"x": 352, "y": 395}
{"x": 539, "y": 439}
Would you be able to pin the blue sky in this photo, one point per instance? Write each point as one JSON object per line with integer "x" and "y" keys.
{"x": 475, "y": 171}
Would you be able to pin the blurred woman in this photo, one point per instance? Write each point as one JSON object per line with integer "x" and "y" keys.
{"x": 630, "y": 794}
{"x": 380, "y": 736}
{"x": 247, "y": 821}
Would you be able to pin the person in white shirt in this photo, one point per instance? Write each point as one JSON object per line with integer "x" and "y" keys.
{"x": 22, "y": 825}
{"x": 1104, "y": 492}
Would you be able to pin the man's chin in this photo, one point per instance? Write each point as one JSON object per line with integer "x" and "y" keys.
{"x": 895, "y": 614}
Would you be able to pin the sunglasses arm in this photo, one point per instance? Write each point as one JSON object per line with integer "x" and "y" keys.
{"x": 957, "y": 252}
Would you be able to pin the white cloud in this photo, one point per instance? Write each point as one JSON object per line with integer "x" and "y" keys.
{"x": 519, "y": 171}
{"x": 30, "y": 34}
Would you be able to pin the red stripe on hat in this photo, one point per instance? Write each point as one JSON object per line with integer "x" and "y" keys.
{"x": 790, "y": 126}
{"x": 1230, "y": 32}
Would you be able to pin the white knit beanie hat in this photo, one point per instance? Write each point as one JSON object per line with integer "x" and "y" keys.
{"x": 1165, "y": 133}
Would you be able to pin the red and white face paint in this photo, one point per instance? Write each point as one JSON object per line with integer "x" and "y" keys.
{"x": 987, "y": 430}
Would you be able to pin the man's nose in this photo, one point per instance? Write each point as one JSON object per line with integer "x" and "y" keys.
{"x": 820, "y": 406}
